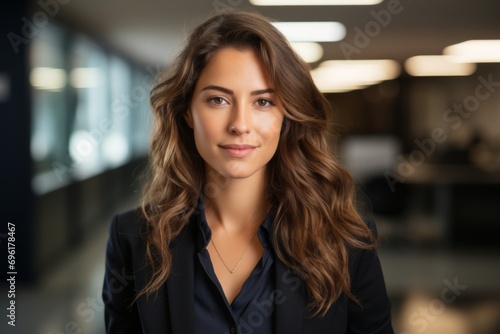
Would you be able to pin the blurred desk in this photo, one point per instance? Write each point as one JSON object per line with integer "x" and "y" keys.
{"x": 461, "y": 194}
{"x": 453, "y": 174}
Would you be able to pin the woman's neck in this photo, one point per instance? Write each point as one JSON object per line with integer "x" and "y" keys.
{"x": 235, "y": 204}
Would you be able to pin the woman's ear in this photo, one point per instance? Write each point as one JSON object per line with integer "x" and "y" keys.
{"x": 188, "y": 117}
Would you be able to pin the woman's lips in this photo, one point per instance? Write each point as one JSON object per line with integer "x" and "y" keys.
{"x": 237, "y": 150}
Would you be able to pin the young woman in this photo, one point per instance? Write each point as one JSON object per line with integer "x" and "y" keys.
{"x": 248, "y": 223}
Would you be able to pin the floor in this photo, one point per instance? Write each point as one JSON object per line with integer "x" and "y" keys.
{"x": 433, "y": 291}
{"x": 67, "y": 300}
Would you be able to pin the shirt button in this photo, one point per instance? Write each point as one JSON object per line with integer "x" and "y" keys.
{"x": 234, "y": 329}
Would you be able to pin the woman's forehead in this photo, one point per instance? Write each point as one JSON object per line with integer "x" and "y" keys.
{"x": 236, "y": 68}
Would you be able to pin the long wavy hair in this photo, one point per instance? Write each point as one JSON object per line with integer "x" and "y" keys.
{"x": 311, "y": 196}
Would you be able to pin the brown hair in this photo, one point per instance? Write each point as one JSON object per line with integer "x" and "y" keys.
{"x": 311, "y": 196}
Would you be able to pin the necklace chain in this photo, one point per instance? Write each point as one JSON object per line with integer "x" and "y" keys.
{"x": 241, "y": 257}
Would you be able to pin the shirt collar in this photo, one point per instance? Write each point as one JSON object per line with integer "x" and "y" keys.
{"x": 204, "y": 233}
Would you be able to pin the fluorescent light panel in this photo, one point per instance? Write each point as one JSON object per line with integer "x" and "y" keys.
{"x": 85, "y": 77}
{"x": 438, "y": 66}
{"x": 363, "y": 70}
{"x": 311, "y": 52}
{"x": 346, "y": 75}
{"x": 314, "y": 2}
{"x": 48, "y": 78}
{"x": 312, "y": 31}
{"x": 328, "y": 84}
{"x": 55, "y": 79}
{"x": 476, "y": 51}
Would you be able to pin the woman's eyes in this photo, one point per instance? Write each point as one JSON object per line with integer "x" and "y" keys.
{"x": 220, "y": 101}
{"x": 217, "y": 100}
{"x": 264, "y": 103}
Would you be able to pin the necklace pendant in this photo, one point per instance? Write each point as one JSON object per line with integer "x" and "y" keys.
{"x": 241, "y": 257}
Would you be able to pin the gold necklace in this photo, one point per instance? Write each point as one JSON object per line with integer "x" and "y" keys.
{"x": 241, "y": 257}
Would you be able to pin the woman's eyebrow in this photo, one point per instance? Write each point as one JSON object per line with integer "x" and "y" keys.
{"x": 230, "y": 92}
{"x": 219, "y": 88}
{"x": 262, "y": 91}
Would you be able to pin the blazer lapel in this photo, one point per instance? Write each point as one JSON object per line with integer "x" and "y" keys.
{"x": 180, "y": 283}
{"x": 290, "y": 300}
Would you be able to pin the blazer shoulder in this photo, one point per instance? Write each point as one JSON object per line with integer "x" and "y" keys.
{"x": 123, "y": 272}
{"x": 357, "y": 255}
{"x": 373, "y": 312}
{"x": 128, "y": 229}
{"x": 129, "y": 222}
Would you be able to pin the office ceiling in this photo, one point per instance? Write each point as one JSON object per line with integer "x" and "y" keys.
{"x": 152, "y": 31}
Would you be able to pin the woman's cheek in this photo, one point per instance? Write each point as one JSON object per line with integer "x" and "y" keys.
{"x": 271, "y": 125}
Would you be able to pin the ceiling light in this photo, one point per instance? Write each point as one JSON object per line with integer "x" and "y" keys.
{"x": 363, "y": 70}
{"x": 336, "y": 86}
{"x": 48, "y": 78}
{"x": 314, "y": 2}
{"x": 85, "y": 77}
{"x": 327, "y": 81}
{"x": 311, "y": 52}
{"x": 344, "y": 75}
{"x": 476, "y": 51}
{"x": 437, "y": 66}
{"x": 312, "y": 31}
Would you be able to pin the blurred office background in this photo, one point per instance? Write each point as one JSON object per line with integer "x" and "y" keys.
{"x": 421, "y": 136}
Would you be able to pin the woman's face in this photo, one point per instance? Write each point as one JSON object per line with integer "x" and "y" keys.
{"x": 234, "y": 114}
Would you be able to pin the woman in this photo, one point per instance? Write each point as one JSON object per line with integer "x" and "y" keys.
{"x": 248, "y": 224}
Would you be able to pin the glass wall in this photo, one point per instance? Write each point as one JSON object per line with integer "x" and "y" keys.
{"x": 90, "y": 109}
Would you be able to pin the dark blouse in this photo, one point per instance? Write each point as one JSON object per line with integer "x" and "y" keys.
{"x": 252, "y": 311}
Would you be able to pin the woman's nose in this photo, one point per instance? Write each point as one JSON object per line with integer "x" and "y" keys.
{"x": 240, "y": 121}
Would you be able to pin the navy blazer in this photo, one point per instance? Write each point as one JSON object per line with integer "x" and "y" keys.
{"x": 172, "y": 309}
